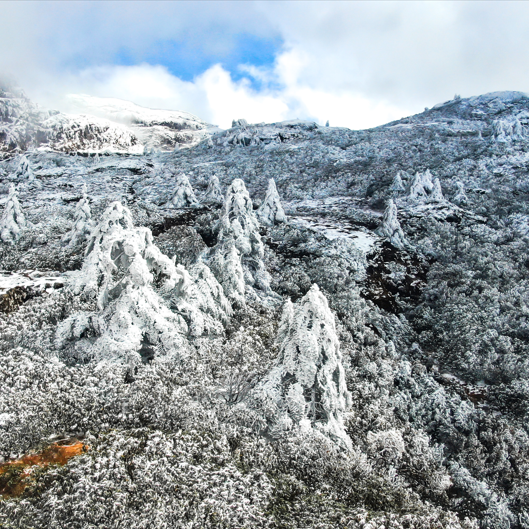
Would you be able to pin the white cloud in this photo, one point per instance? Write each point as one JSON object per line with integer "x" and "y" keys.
{"x": 357, "y": 64}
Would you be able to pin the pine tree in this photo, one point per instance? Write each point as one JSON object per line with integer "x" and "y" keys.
{"x": 437, "y": 192}
{"x": 82, "y": 222}
{"x": 225, "y": 263}
{"x": 13, "y": 220}
{"x": 397, "y": 186}
{"x": 421, "y": 185}
{"x": 306, "y": 387}
{"x": 184, "y": 196}
{"x": 390, "y": 227}
{"x": 271, "y": 211}
{"x": 121, "y": 270}
{"x": 214, "y": 192}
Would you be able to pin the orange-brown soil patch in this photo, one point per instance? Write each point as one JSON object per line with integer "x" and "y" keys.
{"x": 16, "y": 475}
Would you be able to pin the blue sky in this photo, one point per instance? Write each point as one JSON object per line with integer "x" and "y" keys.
{"x": 358, "y": 64}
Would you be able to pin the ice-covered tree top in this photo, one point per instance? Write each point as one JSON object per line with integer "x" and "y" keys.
{"x": 238, "y": 221}
{"x": 422, "y": 185}
{"x": 307, "y": 385}
{"x": 184, "y": 196}
{"x": 13, "y": 220}
{"x": 271, "y": 211}
{"x": 437, "y": 192}
{"x": 214, "y": 193}
{"x": 390, "y": 227}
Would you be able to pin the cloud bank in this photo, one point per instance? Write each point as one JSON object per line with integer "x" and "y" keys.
{"x": 357, "y": 64}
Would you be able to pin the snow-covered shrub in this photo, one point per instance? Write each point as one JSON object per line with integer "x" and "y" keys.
{"x": 306, "y": 387}
{"x": 397, "y": 186}
{"x": 13, "y": 220}
{"x": 214, "y": 193}
{"x": 184, "y": 196}
{"x": 271, "y": 211}
{"x": 461, "y": 198}
{"x": 226, "y": 265}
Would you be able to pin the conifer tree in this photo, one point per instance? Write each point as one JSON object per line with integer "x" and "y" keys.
{"x": 184, "y": 196}
{"x": 390, "y": 227}
{"x": 13, "y": 220}
{"x": 306, "y": 387}
{"x": 271, "y": 211}
{"x": 214, "y": 192}
{"x": 83, "y": 223}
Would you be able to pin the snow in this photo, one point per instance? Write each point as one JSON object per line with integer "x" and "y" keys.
{"x": 271, "y": 211}
{"x": 34, "y": 279}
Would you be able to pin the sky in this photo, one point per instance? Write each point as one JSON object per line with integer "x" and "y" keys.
{"x": 356, "y": 64}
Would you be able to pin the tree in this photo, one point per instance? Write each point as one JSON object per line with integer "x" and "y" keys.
{"x": 421, "y": 185}
{"x": 214, "y": 193}
{"x": 437, "y": 192}
{"x": 83, "y": 223}
{"x": 184, "y": 196}
{"x": 13, "y": 220}
{"x": 306, "y": 387}
{"x": 390, "y": 227}
{"x": 461, "y": 197}
{"x": 397, "y": 186}
{"x": 271, "y": 211}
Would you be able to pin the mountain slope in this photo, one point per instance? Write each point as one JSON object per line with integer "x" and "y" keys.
{"x": 430, "y": 326}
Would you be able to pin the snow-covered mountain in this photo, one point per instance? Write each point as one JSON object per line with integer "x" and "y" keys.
{"x": 283, "y": 325}
{"x": 98, "y": 125}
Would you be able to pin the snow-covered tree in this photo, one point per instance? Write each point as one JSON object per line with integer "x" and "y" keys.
{"x": 83, "y": 223}
{"x": 437, "y": 192}
{"x": 306, "y": 387}
{"x": 13, "y": 220}
{"x": 24, "y": 169}
{"x": 201, "y": 301}
{"x": 239, "y": 227}
{"x": 271, "y": 211}
{"x": 421, "y": 186}
{"x": 397, "y": 186}
{"x": 214, "y": 193}
{"x": 238, "y": 222}
{"x": 461, "y": 197}
{"x": 225, "y": 263}
{"x": 390, "y": 227}
{"x": 184, "y": 196}
{"x": 125, "y": 272}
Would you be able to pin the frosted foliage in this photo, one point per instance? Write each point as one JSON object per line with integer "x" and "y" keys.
{"x": 214, "y": 193}
{"x": 201, "y": 301}
{"x": 505, "y": 130}
{"x": 120, "y": 269}
{"x": 13, "y": 220}
{"x": 271, "y": 211}
{"x": 24, "y": 170}
{"x": 397, "y": 186}
{"x": 437, "y": 193}
{"x": 461, "y": 197}
{"x": 390, "y": 227}
{"x": 421, "y": 185}
{"x": 306, "y": 388}
{"x": 83, "y": 223}
{"x": 238, "y": 221}
{"x": 226, "y": 265}
{"x": 184, "y": 196}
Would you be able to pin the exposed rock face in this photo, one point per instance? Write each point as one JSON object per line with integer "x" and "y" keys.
{"x": 13, "y": 220}
{"x": 306, "y": 387}
{"x": 271, "y": 211}
{"x": 184, "y": 196}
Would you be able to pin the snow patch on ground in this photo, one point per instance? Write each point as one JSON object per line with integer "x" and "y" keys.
{"x": 30, "y": 279}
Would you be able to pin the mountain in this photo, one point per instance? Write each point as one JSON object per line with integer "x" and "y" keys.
{"x": 103, "y": 125}
{"x": 360, "y": 361}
